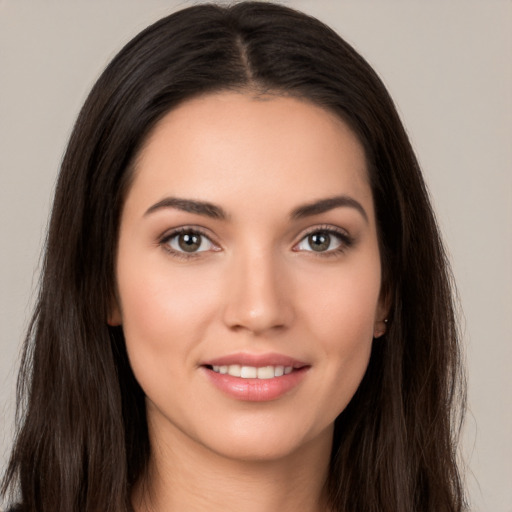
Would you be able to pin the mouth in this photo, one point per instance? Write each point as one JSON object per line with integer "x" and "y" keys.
{"x": 251, "y": 372}
{"x": 256, "y": 378}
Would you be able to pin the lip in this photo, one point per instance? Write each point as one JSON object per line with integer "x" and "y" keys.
{"x": 257, "y": 360}
{"x": 256, "y": 390}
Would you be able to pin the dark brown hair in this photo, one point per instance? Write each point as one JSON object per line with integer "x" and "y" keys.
{"x": 82, "y": 439}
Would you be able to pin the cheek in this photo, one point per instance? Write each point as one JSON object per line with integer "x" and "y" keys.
{"x": 342, "y": 305}
{"x": 164, "y": 312}
{"x": 340, "y": 309}
{"x": 346, "y": 334}
{"x": 347, "y": 352}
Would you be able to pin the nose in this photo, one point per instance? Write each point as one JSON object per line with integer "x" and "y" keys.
{"x": 258, "y": 296}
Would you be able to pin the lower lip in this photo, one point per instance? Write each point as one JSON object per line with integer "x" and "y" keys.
{"x": 256, "y": 390}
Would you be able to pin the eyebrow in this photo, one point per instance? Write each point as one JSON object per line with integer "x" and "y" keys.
{"x": 324, "y": 205}
{"x": 216, "y": 212}
{"x": 191, "y": 206}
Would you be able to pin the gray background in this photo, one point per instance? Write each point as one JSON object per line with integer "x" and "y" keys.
{"x": 448, "y": 66}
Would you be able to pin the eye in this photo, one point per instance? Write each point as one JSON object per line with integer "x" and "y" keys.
{"x": 324, "y": 240}
{"x": 188, "y": 241}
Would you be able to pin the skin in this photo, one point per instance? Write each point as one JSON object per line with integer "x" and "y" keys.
{"x": 255, "y": 286}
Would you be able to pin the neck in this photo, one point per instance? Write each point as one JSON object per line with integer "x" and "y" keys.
{"x": 183, "y": 475}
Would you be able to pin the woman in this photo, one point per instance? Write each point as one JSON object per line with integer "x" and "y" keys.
{"x": 245, "y": 303}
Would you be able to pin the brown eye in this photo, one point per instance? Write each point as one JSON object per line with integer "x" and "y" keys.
{"x": 329, "y": 241}
{"x": 189, "y": 242}
{"x": 319, "y": 242}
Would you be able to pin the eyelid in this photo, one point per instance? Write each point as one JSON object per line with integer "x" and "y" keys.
{"x": 330, "y": 228}
{"x": 164, "y": 239}
{"x": 347, "y": 240}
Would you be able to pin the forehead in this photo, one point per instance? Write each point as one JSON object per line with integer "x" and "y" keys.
{"x": 227, "y": 145}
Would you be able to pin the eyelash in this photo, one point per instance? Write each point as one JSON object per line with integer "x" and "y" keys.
{"x": 164, "y": 242}
{"x": 346, "y": 241}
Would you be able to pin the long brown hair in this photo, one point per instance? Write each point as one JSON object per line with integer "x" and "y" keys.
{"x": 82, "y": 439}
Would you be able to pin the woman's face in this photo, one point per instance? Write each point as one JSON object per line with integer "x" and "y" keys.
{"x": 248, "y": 274}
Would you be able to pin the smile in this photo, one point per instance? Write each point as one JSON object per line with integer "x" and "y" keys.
{"x": 253, "y": 372}
{"x": 255, "y": 378}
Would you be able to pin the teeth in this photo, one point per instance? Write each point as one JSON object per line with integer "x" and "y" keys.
{"x": 267, "y": 372}
{"x": 235, "y": 370}
{"x": 248, "y": 372}
{"x": 251, "y": 372}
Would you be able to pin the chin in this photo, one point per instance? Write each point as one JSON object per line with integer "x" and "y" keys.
{"x": 267, "y": 443}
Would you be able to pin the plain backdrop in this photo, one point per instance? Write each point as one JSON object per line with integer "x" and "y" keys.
{"x": 447, "y": 64}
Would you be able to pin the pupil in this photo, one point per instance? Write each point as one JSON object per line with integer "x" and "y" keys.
{"x": 189, "y": 242}
{"x": 319, "y": 241}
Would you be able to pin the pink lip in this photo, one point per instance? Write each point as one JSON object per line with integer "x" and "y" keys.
{"x": 256, "y": 390}
{"x": 257, "y": 360}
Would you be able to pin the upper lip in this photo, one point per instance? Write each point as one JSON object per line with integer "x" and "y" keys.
{"x": 256, "y": 360}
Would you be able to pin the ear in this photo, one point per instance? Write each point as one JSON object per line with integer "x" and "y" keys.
{"x": 381, "y": 315}
{"x": 114, "y": 317}
{"x": 380, "y": 328}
